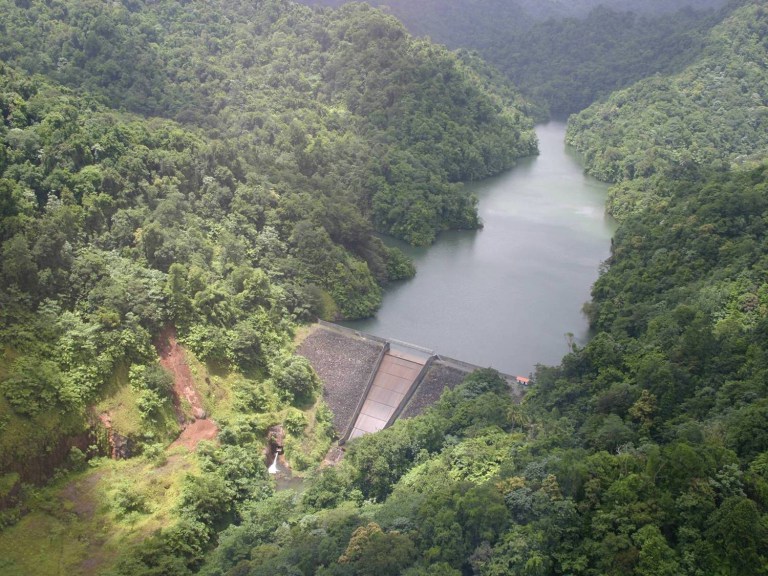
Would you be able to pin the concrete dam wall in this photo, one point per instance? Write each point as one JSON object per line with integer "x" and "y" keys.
{"x": 369, "y": 382}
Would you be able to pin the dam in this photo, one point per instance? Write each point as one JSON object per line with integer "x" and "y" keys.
{"x": 369, "y": 382}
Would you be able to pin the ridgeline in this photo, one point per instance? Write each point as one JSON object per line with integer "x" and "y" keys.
{"x": 219, "y": 169}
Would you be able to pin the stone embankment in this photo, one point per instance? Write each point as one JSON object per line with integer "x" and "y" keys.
{"x": 344, "y": 362}
{"x": 439, "y": 377}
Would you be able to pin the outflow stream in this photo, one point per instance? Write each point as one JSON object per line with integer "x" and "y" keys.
{"x": 510, "y": 295}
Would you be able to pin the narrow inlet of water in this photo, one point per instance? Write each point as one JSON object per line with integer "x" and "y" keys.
{"x": 510, "y": 295}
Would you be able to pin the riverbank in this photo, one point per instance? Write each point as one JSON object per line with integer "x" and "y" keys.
{"x": 510, "y": 295}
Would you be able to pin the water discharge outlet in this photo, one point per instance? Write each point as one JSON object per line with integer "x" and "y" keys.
{"x": 273, "y": 467}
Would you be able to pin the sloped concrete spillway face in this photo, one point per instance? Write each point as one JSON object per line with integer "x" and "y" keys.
{"x": 394, "y": 378}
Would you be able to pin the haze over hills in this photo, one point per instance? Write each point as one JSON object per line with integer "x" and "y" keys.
{"x": 711, "y": 116}
{"x": 193, "y": 182}
{"x": 524, "y": 10}
{"x": 561, "y": 8}
{"x": 566, "y": 55}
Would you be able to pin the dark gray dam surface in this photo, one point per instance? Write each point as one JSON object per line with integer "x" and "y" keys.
{"x": 508, "y": 295}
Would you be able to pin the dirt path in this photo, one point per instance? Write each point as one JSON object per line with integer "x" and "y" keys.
{"x": 172, "y": 359}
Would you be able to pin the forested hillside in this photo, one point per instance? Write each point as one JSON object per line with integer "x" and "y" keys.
{"x": 567, "y": 64}
{"x": 566, "y": 55}
{"x": 212, "y": 172}
{"x": 343, "y": 104}
{"x": 714, "y": 115}
{"x": 215, "y": 171}
{"x": 644, "y": 453}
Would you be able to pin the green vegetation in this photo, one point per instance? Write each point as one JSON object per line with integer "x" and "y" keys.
{"x": 567, "y": 64}
{"x": 566, "y": 55}
{"x": 712, "y": 115}
{"x": 338, "y": 113}
{"x": 93, "y": 515}
{"x": 303, "y": 132}
{"x": 417, "y": 490}
{"x": 218, "y": 169}
{"x": 643, "y": 453}
{"x": 221, "y": 190}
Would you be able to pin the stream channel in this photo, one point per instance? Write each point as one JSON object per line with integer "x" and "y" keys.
{"x": 509, "y": 295}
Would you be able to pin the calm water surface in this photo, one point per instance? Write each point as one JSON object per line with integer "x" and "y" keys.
{"x": 507, "y": 295}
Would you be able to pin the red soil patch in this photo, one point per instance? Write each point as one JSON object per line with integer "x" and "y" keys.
{"x": 172, "y": 359}
{"x": 119, "y": 446}
{"x": 106, "y": 420}
{"x": 194, "y": 432}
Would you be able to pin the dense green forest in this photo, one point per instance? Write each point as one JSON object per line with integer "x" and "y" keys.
{"x": 217, "y": 171}
{"x": 223, "y": 190}
{"x": 566, "y": 55}
{"x": 566, "y": 64}
{"x": 714, "y": 114}
{"x": 643, "y": 453}
{"x": 343, "y": 104}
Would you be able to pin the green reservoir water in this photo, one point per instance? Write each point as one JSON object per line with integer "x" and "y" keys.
{"x": 506, "y": 296}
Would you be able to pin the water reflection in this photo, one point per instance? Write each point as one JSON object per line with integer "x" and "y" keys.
{"x": 507, "y": 295}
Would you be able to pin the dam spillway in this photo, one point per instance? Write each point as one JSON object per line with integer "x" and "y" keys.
{"x": 392, "y": 381}
{"x": 369, "y": 382}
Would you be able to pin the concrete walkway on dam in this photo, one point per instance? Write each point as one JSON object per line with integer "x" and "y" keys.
{"x": 369, "y": 382}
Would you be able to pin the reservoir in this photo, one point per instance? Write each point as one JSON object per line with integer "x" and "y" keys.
{"x": 510, "y": 295}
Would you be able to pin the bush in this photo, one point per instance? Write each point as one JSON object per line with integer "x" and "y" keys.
{"x": 296, "y": 380}
{"x": 128, "y": 500}
{"x": 31, "y": 385}
{"x": 76, "y": 459}
{"x": 155, "y": 453}
{"x": 295, "y": 422}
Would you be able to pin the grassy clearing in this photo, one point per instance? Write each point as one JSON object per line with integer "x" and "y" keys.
{"x": 82, "y": 525}
{"x": 302, "y": 333}
{"x": 42, "y": 544}
{"x": 120, "y": 404}
{"x": 213, "y": 384}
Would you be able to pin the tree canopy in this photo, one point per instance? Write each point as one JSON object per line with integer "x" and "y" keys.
{"x": 711, "y": 115}
{"x": 219, "y": 169}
